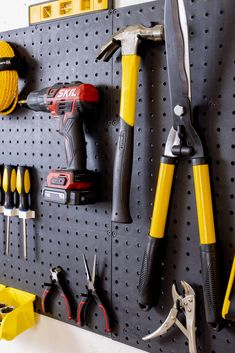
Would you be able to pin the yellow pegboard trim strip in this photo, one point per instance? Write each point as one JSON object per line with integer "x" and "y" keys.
{"x": 57, "y": 9}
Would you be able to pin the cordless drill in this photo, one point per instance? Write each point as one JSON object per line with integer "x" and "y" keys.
{"x": 70, "y": 103}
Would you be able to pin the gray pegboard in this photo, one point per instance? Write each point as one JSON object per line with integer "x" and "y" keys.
{"x": 65, "y": 51}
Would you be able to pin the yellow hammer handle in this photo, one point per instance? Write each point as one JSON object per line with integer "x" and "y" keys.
{"x": 130, "y": 71}
{"x": 204, "y": 204}
{"x": 162, "y": 199}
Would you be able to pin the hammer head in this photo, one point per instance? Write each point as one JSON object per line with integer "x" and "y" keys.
{"x": 129, "y": 38}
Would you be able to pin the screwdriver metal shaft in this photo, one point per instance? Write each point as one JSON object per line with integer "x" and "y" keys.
{"x": 23, "y": 186}
{"x": 25, "y": 239}
{"x": 8, "y": 236}
{"x": 9, "y": 186}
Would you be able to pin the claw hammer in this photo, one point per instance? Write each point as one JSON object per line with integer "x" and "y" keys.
{"x": 128, "y": 39}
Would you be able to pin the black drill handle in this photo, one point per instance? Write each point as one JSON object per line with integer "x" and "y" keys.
{"x": 211, "y": 284}
{"x": 71, "y": 128}
{"x": 23, "y": 186}
{"x": 150, "y": 274}
{"x": 122, "y": 174}
{"x": 9, "y": 186}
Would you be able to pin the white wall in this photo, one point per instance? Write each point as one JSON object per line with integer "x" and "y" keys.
{"x": 49, "y": 335}
{"x": 14, "y": 13}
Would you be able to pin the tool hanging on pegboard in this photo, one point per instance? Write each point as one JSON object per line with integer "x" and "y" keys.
{"x": 129, "y": 40}
{"x": 91, "y": 295}
{"x": 182, "y": 303}
{"x": 183, "y": 141}
{"x": 70, "y": 104}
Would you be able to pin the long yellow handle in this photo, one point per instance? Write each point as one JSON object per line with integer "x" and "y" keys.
{"x": 230, "y": 289}
{"x": 130, "y": 71}
{"x": 162, "y": 199}
{"x": 204, "y": 204}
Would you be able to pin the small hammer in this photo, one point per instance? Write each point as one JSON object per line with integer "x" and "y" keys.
{"x": 128, "y": 39}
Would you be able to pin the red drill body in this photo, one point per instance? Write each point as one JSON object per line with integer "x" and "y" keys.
{"x": 70, "y": 103}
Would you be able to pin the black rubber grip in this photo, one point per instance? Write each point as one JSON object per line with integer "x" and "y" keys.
{"x": 211, "y": 284}
{"x": 149, "y": 284}
{"x": 71, "y": 128}
{"x": 122, "y": 174}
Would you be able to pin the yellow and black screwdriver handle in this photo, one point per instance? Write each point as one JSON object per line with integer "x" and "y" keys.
{"x": 9, "y": 186}
{"x": 124, "y": 150}
{"x": 228, "y": 310}
{"x": 150, "y": 271}
{"x": 23, "y": 187}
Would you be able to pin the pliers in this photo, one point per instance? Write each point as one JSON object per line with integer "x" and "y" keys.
{"x": 186, "y": 304}
{"x": 91, "y": 295}
{"x": 183, "y": 140}
{"x": 58, "y": 282}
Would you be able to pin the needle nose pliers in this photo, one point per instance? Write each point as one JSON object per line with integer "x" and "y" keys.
{"x": 91, "y": 295}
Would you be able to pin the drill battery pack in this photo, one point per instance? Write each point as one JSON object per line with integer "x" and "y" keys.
{"x": 71, "y": 187}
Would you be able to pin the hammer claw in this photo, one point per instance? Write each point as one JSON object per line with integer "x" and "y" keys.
{"x": 108, "y": 50}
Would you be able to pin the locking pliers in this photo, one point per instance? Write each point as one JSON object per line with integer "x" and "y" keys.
{"x": 185, "y": 303}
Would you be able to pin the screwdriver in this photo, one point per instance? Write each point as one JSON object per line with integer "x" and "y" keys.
{"x": 9, "y": 186}
{"x": 23, "y": 186}
{"x": 1, "y": 191}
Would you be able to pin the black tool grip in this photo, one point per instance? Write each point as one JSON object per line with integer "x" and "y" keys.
{"x": 122, "y": 174}
{"x": 71, "y": 128}
{"x": 150, "y": 273}
{"x": 211, "y": 284}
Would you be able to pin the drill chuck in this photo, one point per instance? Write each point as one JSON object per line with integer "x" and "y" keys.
{"x": 36, "y": 100}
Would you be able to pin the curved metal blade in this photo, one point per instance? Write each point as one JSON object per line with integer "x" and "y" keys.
{"x": 176, "y": 38}
{"x": 167, "y": 324}
{"x": 184, "y": 29}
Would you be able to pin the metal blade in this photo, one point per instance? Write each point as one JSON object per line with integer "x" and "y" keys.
{"x": 176, "y": 47}
{"x": 88, "y": 276}
{"x": 94, "y": 270}
{"x": 184, "y": 29}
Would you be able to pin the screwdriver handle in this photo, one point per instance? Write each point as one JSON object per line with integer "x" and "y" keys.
{"x": 9, "y": 185}
{"x": 23, "y": 186}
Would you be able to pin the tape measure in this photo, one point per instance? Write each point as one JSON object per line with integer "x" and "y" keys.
{"x": 8, "y": 79}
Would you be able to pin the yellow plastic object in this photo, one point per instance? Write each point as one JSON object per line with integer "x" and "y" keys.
{"x": 162, "y": 198}
{"x": 62, "y": 8}
{"x": 22, "y": 317}
{"x": 2, "y": 287}
{"x": 130, "y": 71}
{"x": 204, "y": 204}
{"x": 8, "y": 82}
{"x": 229, "y": 292}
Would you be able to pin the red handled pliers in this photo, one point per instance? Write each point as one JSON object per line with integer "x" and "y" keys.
{"x": 91, "y": 294}
{"x": 57, "y": 283}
